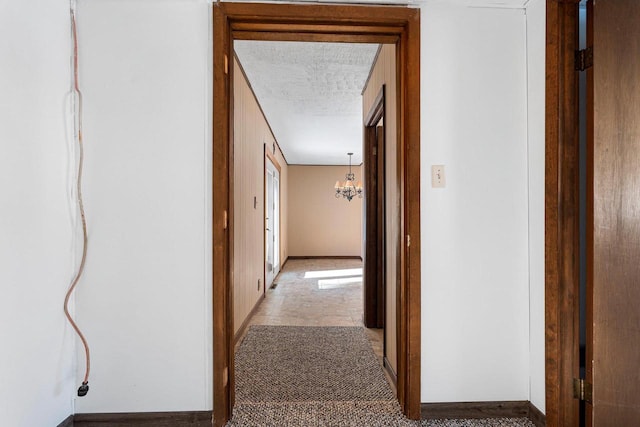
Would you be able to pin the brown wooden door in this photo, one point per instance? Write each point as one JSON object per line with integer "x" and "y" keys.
{"x": 374, "y": 250}
{"x": 380, "y": 237}
{"x": 615, "y": 231}
{"x": 372, "y": 226}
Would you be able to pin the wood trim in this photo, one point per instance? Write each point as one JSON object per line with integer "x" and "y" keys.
{"x": 317, "y": 29}
{"x": 377, "y": 110}
{"x": 408, "y": 71}
{"x": 590, "y": 220}
{"x": 155, "y": 419}
{"x": 222, "y": 217}
{"x": 400, "y": 21}
{"x": 273, "y": 160}
{"x": 333, "y": 19}
{"x": 374, "y": 251}
{"x": 536, "y": 416}
{"x": 561, "y": 216}
{"x": 67, "y": 422}
{"x": 265, "y": 179}
{"x": 312, "y": 37}
{"x": 475, "y": 410}
{"x": 276, "y": 164}
{"x": 247, "y": 320}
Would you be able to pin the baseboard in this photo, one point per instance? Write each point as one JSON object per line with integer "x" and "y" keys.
{"x": 244, "y": 325}
{"x": 324, "y": 257}
{"x": 156, "y": 419}
{"x": 389, "y": 370}
{"x": 68, "y": 422}
{"x": 458, "y": 410}
{"x": 536, "y": 416}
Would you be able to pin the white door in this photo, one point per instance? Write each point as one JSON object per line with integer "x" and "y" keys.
{"x": 276, "y": 223}
{"x": 272, "y": 223}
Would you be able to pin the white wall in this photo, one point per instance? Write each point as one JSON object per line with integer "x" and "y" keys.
{"x": 145, "y": 301}
{"x": 475, "y": 296}
{"x": 37, "y": 380}
{"x": 536, "y": 19}
{"x": 146, "y": 297}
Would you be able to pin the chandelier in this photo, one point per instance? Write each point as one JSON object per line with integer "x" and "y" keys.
{"x": 347, "y": 189}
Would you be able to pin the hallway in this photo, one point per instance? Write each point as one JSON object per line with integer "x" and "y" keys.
{"x": 317, "y": 293}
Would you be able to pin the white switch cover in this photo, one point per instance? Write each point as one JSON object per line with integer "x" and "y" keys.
{"x": 437, "y": 176}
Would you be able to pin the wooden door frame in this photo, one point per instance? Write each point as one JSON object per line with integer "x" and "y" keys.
{"x": 561, "y": 214}
{"x": 374, "y": 267}
{"x": 328, "y": 23}
{"x": 268, "y": 157}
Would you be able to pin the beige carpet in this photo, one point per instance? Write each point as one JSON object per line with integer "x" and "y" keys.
{"x": 320, "y": 376}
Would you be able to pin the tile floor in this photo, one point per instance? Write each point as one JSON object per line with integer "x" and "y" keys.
{"x": 317, "y": 292}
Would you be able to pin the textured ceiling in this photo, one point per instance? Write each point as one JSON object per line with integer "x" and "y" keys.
{"x": 311, "y": 92}
{"x": 311, "y": 95}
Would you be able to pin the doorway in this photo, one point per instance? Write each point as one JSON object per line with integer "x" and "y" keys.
{"x": 379, "y": 293}
{"x": 272, "y": 220}
{"x": 369, "y": 24}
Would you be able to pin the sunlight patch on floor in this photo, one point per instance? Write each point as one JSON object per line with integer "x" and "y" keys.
{"x": 333, "y": 273}
{"x": 339, "y": 283}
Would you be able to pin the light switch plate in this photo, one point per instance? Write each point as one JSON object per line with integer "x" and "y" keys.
{"x": 437, "y": 176}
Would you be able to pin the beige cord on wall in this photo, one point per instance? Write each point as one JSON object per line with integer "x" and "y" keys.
{"x": 84, "y": 388}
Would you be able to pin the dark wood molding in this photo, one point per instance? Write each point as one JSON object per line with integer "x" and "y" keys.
{"x": 247, "y": 320}
{"x": 374, "y": 184}
{"x": 324, "y": 22}
{"x": 311, "y": 37}
{"x": 68, "y": 422}
{"x": 377, "y": 109}
{"x": 222, "y": 219}
{"x": 561, "y": 215}
{"x": 324, "y": 257}
{"x": 155, "y": 419}
{"x": 536, "y": 416}
{"x": 409, "y": 350}
{"x": 475, "y": 410}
